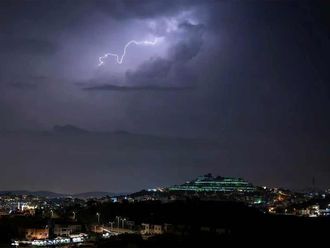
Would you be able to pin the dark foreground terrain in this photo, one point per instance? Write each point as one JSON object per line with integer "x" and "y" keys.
{"x": 193, "y": 224}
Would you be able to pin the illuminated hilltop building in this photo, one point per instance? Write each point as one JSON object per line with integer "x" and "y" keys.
{"x": 208, "y": 183}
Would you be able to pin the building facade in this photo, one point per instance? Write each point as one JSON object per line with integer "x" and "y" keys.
{"x": 151, "y": 229}
{"x": 66, "y": 230}
{"x": 36, "y": 233}
{"x": 208, "y": 183}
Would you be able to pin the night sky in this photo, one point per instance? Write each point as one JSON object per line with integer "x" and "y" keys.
{"x": 235, "y": 88}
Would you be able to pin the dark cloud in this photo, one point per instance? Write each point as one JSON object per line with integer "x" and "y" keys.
{"x": 109, "y": 87}
{"x": 252, "y": 74}
{"x": 164, "y": 71}
{"x": 115, "y": 153}
{"x": 189, "y": 46}
{"x": 158, "y": 73}
{"x": 25, "y": 45}
{"x": 8, "y": 116}
{"x": 148, "y": 9}
{"x": 23, "y": 85}
{"x": 22, "y": 13}
{"x": 154, "y": 70}
{"x": 26, "y": 82}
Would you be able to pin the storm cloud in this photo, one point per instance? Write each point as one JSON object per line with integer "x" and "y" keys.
{"x": 250, "y": 76}
{"x": 136, "y": 88}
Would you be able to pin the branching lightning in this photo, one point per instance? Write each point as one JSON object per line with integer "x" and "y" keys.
{"x": 120, "y": 59}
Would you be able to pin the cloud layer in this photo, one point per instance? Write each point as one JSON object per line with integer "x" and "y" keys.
{"x": 253, "y": 75}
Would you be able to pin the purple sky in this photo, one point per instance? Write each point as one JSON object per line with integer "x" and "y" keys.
{"x": 246, "y": 83}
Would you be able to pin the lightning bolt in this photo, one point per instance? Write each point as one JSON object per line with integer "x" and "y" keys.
{"x": 120, "y": 59}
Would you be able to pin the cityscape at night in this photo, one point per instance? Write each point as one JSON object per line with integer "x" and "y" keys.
{"x": 164, "y": 123}
{"x": 100, "y": 219}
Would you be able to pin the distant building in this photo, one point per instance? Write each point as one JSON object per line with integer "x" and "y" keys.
{"x": 146, "y": 229}
{"x": 36, "y": 233}
{"x": 208, "y": 183}
{"x": 66, "y": 230}
{"x": 150, "y": 229}
{"x": 158, "y": 229}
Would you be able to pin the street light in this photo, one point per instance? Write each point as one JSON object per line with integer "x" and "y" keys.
{"x": 98, "y": 218}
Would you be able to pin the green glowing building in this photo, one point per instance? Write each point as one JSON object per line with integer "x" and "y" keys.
{"x": 208, "y": 183}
